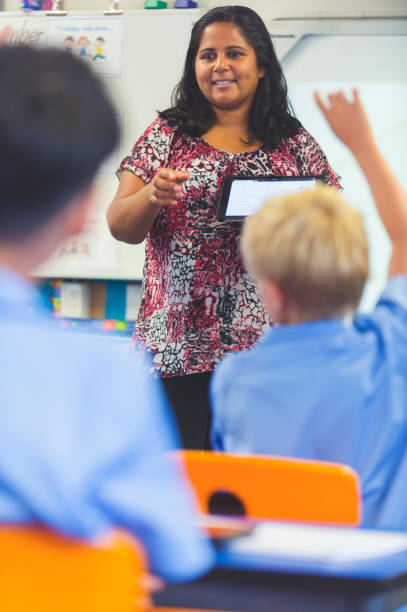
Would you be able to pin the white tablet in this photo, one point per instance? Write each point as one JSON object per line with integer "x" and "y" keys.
{"x": 243, "y": 195}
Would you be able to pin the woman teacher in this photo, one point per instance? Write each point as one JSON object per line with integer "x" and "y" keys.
{"x": 230, "y": 116}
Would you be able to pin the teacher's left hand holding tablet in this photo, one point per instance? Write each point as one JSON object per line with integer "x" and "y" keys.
{"x": 166, "y": 187}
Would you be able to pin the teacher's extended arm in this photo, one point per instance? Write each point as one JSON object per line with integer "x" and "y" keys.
{"x": 137, "y": 204}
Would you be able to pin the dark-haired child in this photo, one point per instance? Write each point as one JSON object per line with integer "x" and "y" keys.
{"x": 84, "y": 434}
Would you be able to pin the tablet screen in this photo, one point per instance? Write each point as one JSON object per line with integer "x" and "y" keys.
{"x": 242, "y": 196}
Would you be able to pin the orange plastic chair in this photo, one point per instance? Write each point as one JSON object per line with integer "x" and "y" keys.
{"x": 41, "y": 571}
{"x": 277, "y": 488}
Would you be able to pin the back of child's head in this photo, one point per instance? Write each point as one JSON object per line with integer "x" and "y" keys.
{"x": 313, "y": 246}
{"x": 56, "y": 126}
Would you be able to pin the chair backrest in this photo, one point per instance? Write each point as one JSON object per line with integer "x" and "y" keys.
{"x": 43, "y": 572}
{"x": 276, "y": 487}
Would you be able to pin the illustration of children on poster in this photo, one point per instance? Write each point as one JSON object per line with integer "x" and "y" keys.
{"x": 98, "y": 41}
{"x": 99, "y": 52}
{"x": 69, "y": 43}
{"x": 82, "y": 44}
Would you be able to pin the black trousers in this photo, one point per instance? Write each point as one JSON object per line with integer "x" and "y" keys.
{"x": 189, "y": 398}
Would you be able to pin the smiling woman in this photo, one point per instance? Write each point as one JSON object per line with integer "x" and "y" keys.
{"x": 228, "y": 75}
{"x": 226, "y": 69}
{"x": 230, "y": 116}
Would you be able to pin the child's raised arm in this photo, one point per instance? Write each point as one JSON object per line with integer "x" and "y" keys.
{"x": 349, "y": 122}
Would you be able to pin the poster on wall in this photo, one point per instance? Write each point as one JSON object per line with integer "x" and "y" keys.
{"x": 98, "y": 41}
{"x": 92, "y": 253}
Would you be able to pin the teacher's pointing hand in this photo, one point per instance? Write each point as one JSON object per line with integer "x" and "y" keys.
{"x": 166, "y": 187}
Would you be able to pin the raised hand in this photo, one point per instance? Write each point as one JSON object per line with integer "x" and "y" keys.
{"x": 347, "y": 119}
{"x": 349, "y": 122}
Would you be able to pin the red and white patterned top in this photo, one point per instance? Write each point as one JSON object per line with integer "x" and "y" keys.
{"x": 199, "y": 302}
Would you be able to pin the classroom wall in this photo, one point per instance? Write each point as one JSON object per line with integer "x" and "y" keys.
{"x": 266, "y": 8}
{"x": 341, "y": 62}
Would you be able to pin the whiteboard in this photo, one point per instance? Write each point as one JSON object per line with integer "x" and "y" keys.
{"x": 376, "y": 65}
{"x": 144, "y": 53}
{"x": 144, "y": 62}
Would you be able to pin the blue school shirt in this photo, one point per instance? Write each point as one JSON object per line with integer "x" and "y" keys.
{"x": 329, "y": 391}
{"x": 84, "y": 435}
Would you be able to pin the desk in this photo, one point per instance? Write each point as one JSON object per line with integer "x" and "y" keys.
{"x": 247, "y": 580}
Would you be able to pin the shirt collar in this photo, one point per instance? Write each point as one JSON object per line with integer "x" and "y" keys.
{"x": 308, "y": 329}
{"x": 15, "y": 291}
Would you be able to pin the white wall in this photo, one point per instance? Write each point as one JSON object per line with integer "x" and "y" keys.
{"x": 267, "y": 8}
{"x": 329, "y": 63}
{"x": 319, "y": 62}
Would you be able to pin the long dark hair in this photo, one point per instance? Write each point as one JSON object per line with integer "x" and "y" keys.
{"x": 270, "y": 117}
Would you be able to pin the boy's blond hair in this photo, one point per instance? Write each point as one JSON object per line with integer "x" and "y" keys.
{"x": 313, "y": 246}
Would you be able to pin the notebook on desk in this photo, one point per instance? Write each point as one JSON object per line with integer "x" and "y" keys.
{"x": 319, "y": 544}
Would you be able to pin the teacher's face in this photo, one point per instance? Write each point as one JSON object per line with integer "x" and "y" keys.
{"x": 226, "y": 67}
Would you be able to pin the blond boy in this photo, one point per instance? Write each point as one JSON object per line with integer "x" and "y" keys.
{"x": 316, "y": 386}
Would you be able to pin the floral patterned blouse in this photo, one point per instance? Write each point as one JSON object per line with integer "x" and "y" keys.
{"x": 199, "y": 302}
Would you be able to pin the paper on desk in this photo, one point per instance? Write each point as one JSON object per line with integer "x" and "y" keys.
{"x": 314, "y": 543}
